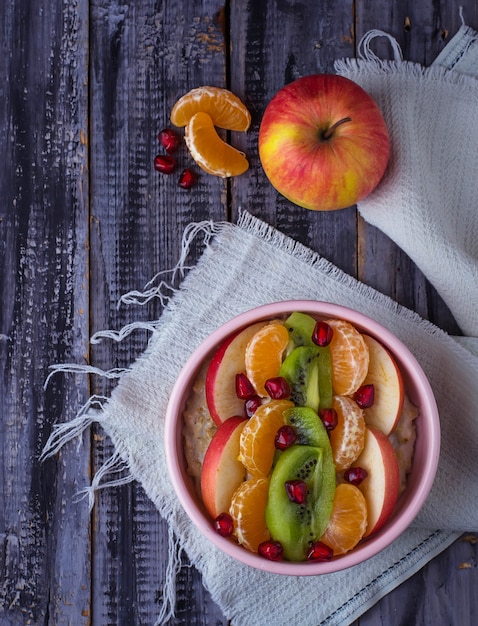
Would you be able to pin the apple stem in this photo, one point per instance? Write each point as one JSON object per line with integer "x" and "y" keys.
{"x": 327, "y": 134}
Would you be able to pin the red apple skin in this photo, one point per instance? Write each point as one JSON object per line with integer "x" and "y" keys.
{"x": 389, "y": 392}
{"x": 320, "y": 173}
{"x": 381, "y": 487}
{"x": 220, "y": 386}
{"x": 221, "y": 472}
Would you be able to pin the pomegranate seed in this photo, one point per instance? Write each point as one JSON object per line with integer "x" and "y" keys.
{"x": 285, "y": 437}
{"x": 355, "y": 475}
{"x": 271, "y": 550}
{"x": 244, "y": 387}
{"x": 164, "y": 164}
{"x": 329, "y": 418}
{"x": 322, "y": 334}
{"x": 296, "y": 490}
{"x": 318, "y": 551}
{"x": 365, "y": 396}
{"x": 252, "y": 404}
{"x": 169, "y": 139}
{"x": 187, "y": 179}
{"x": 278, "y": 388}
{"x": 224, "y": 525}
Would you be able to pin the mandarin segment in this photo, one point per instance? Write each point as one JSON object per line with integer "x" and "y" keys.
{"x": 256, "y": 447}
{"x": 264, "y": 354}
{"x": 350, "y": 357}
{"x": 348, "y": 521}
{"x": 224, "y": 108}
{"x": 348, "y": 437}
{"x": 247, "y": 510}
{"x": 210, "y": 152}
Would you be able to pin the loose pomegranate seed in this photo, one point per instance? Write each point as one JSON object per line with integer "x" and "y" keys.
{"x": 322, "y": 334}
{"x": 318, "y": 551}
{"x": 187, "y": 179}
{"x": 329, "y": 418}
{"x": 296, "y": 490}
{"x": 285, "y": 437}
{"x": 164, "y": 164}
{"x": 244, "y": 387}
{"x": 365, "y": 396}
{"x": 271, "y": 550}
{"x": 355, "y": 475}
{"x": 278, "y": 388}
{"x": 224, "y": 525}
{"x": 169, "y": 139}
{"x": 251, "y": 405}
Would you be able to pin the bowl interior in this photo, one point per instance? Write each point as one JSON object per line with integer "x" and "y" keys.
{"x": 425, "y": 459}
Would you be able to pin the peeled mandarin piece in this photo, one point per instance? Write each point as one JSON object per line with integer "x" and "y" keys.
{"x": 348, "y": 521}
{"x": 264, "y": 353}
{"x": 348, "y": 437}
{"x": 224, "y": 108}
{"x": 210, "y": 152}
{"x": 256, "y": 449}
{"x": 349, "y": 355}
{"x": 247, "y": 510}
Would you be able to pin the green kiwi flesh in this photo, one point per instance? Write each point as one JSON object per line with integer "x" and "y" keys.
{"x": 301, "y": 370}
{"x": 301, "y": 327}
{"x": 294, "y": 525}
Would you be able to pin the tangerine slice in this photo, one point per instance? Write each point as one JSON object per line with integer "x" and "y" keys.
{"x": 225, "y": 109}
{"x": 256, "y": 447}
{"x": 210, "y": 152}
{"x": 350, "y": 357}
{"x": 348, "y": 437}
{"x": 348, "y": 521}
{"x": 247, "y": 509}
{"x": 264, "y": 353}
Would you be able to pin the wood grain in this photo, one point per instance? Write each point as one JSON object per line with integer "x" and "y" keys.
{"x": 85, "y": 87}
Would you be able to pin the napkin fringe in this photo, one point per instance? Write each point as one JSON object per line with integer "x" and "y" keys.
{"x": 370, "y": 64}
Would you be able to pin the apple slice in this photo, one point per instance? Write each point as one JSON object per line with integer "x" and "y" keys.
{"x": 222, "y": 473}
{"x": 381, "y": 486}
{"x": 227, "y": 361}
{"x": 384, "y": 375}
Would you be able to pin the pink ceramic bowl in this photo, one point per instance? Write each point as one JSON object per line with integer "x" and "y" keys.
{"x": 419, "y": 481}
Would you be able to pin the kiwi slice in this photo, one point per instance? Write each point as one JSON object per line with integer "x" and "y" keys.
{"x": 301, "y": 327}
{"x": 309, "y": 428}
{"x": 294, "y": 525}
{"x": 301, "y": 370}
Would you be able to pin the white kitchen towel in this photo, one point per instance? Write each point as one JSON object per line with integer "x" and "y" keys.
{"x": 427, "y": 201}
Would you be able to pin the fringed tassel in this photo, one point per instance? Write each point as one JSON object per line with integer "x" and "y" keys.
{"x": 114, "y": 465}
{"x": 169, "y": 589}
{"x": 165, "y": 290}
{"x": 63, "y": 433}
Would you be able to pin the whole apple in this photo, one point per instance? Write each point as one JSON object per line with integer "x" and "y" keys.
{"x": 323, "y": 142}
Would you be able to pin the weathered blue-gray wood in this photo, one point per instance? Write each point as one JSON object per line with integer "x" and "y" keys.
{"x": 84, "y": 89}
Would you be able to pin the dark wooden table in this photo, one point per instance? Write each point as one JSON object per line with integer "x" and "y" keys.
{"x": 84, "y": 218}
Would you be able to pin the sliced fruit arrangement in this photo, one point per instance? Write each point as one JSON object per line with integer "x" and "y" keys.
{"x": 301, "y": 466}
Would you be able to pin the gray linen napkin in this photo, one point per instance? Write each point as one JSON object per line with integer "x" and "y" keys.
{"x": 427, "y": 200}
{"x": 265, "y": 266}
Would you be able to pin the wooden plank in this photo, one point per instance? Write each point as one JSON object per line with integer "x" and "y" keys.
{"x": 44, "y": 556}
{"x": 261, "y": 63}
{"x": 144, "y": 57}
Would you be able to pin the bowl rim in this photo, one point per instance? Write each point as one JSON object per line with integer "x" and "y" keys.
{"x": 173, "y": 425}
